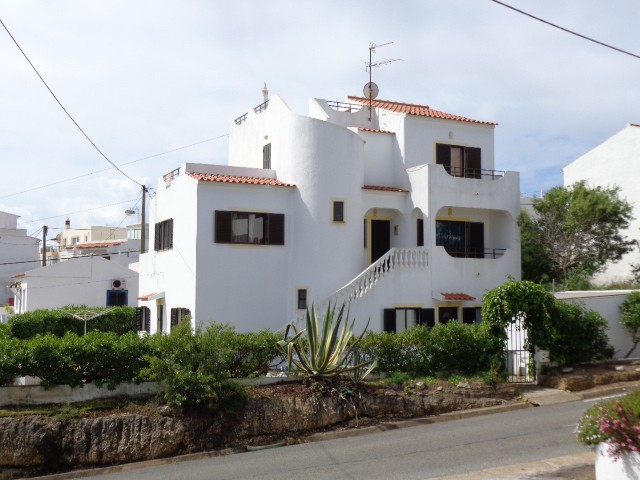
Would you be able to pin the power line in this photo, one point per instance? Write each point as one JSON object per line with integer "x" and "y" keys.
{"x": 566, "y": 29}
{"x": 79, "y": 211}
{"x": 112, "y": 254}
{"x": 64, "y": 109}
{"x": 110, "y": 168}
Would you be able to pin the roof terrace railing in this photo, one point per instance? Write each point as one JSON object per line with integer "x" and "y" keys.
{"x": 260, "y": 108}
{"x": 344, "y": 106}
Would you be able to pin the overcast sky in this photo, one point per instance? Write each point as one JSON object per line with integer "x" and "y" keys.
{"x": 146, "y": 77}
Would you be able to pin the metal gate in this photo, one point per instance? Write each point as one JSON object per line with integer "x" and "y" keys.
{"x": 520, "y": 364}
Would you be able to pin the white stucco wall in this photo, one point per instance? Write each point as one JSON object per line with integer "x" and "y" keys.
{"x": 78, "y": 281}
{"x": 327, "y": 157}
{"x": 18, "y": 253}
{"x": 606, "y": 303}
{"x": 614, "y": 162}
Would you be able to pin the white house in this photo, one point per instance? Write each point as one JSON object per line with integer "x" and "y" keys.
{"x": 92, "y": 281}
{"x": 18, "y": 252}
{"x": 614, "y": 162}
{"x": 393, "y": 207}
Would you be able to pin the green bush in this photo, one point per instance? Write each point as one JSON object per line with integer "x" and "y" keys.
{"x": 5, "y": 331}
{"x": 396, "y": 352}
{"x": 57, "y": 322}
{"x": 10, "y": 359}
{"x": 254, "y": 353}
{"x": 194, "y": 367}
{"x": 578, "y": 335}
{"x": 99, "y": 357}
{"x": 458, "y": 347}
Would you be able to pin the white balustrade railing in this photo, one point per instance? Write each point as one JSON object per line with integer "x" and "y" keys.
{"x": 365, "y": 282}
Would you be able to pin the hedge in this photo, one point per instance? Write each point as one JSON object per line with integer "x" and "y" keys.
{"x": 57, "y": 322}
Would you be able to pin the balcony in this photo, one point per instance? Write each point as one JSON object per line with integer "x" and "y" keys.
{"x": 490, "y": 253}
{"x": 478, "y": 173}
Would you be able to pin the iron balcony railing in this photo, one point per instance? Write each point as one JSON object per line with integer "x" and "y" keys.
{"x": 474, "y": 172}
{"x": 260, "y": 108}
{"x": 344, "y": 106}
{"x": 490, "y": 253}
{"x": 168, "y": 178}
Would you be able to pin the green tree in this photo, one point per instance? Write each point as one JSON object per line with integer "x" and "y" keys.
{"x": 577, "y": 230}
{"x": 630, "y": 318}
{"x": 536, "y": 266}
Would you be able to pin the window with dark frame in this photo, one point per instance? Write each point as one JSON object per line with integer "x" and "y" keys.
{"x": 461, "y": 239}
{"x": 160, "y": 317}
{"x": 178, "y": 315}
{"x": 302, "y": 299}
{"x": 117, "y": 298}
{"x": 397, "y": 320}
{"x": 447, "y": 314}
{"x": 471, "y": 315}
{"x": 338, "y": 211}
{"x": 266, "y": 156}
{"x": 420, "y": 232}
{"x": 143, "y": 319}
{"x": 248, "y": 228}
{"x": 164, "y": 235}
{"x": 460, "y": 161}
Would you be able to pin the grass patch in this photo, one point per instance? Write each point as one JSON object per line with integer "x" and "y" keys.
{"x": 88, "y": 408}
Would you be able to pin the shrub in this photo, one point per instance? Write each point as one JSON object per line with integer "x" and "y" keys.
{"x": 395, "y": 352}
{"x": 99, "y": 357}
{"x": 577, "y": 335}
{"x": 458, "y": 347}
{"x": 57, "y": 322}
{"x": 253, "y": 353}
{"x": 616, "y": 422}
{"x": 194, "y": 367}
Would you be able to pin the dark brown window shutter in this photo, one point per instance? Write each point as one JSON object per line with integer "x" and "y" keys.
{"x": 174, "y": 317}
{"x": 139, "y": 318}
{"x": 474, "y": 163}
{"x": 389, "y": 320}
{"x": 420, "y": 232}
{"x": 169, "y": 234}
{"x": 222, "y": 227}
{"x": 276, "y": 229}
{"x": 156, "y": 239}
{"x": 147, "y": 319}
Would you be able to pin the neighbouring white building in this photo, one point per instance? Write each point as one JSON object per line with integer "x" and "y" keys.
{"x": 92, "y": 281}
{"x": 18, "y": 252}
{"x": 119, "y": 244}
{"x": 396, "y": 208}
{"x": 613, "y": 162}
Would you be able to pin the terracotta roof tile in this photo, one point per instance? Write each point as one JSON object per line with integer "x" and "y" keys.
{"x": 210, "y": 177}
{"x": 373, "y": 130}
{"x": 147, "y": 296}
{"x": 98, "y": 244}
{"x": 419, "y": 110}
{"x": 457, "y": 296}
{"x": 384, "y": 189}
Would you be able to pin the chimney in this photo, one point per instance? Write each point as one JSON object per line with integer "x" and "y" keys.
{"x": 67, "y": 224}
{"x": 265, "y": 93}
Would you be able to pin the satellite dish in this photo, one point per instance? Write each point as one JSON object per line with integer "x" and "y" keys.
{"x": 370, "y": 90}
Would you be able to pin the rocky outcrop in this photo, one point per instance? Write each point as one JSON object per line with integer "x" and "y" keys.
{"x": 46, "y": 444}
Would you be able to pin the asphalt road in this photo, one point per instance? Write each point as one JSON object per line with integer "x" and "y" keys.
{"x": 417, "y": 453}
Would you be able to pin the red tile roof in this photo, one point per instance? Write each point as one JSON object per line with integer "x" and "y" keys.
{"x": 373, "y": 130}
{"x": 147, "y": 296}
{"x": 211, "y": 177}
{"x": 412, "y": 109}
{"x": 98, "y": 244}
{"x": 384, "y": 189}
{"x": 457, "y": 296}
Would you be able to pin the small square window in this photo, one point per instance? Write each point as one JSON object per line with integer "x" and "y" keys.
{"x": 338, "y": 211}
{"x": 302, "y": 299}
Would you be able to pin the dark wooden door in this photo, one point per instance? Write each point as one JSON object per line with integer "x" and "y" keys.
{"x": 380, "y": 238}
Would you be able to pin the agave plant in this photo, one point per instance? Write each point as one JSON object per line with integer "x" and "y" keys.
{"x": 323, "y": 349}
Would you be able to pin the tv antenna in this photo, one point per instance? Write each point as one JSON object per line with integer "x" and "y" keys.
{"x": 371, "y": 89}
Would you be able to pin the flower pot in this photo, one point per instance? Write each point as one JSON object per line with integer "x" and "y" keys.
{"x": 625, "y": 467}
